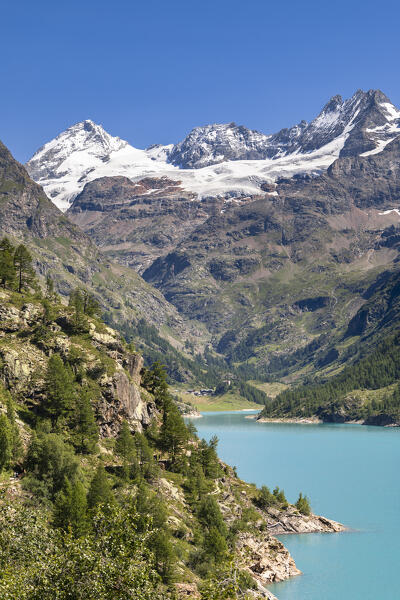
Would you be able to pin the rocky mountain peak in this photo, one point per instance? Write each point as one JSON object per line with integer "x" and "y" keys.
{"x": 216, "y": 143}
{"x": 333, "y": 105}
{"x": 219, "y": 160}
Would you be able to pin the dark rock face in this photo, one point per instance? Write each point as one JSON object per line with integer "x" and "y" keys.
{"x": 311, "y": 304}
{"x": 135, "y": 223}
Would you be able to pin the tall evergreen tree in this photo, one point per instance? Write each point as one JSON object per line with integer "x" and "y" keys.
{"x": 60, "y": 390}
{"x": 173, "y": 432}
{"x": 155, "y": 381}
{"x": 5, "y": 443}
{"x": 125, "y": 444}
{"x": 303, "y": 505}
{"x": 70, "y": 508}
{"x": 86, "y": 433}
{"x": 23, "y": 266}
{"x": 100, "y": 489}
{"x": 7, "y": 268}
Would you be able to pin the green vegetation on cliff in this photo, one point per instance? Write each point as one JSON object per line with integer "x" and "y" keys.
{"x": 105, "y": 492}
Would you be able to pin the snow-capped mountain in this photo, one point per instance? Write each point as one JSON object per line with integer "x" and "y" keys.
{"x": 84, "y": 152}
{"x": 368, "y": 113}
{"x": 219, "y": 160}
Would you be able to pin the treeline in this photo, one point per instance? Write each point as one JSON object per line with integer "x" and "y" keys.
{"x": 252, "y": 393}
{"x": 378, "y": 370}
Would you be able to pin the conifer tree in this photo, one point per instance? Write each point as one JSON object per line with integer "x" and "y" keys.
{"x": 60, "y": 391}
{"x": 23, "y": 266}
{"x": 155, "y": 381}
{"x": 70, "y": 508}
{"x": 125, "y": 448}
{"x": 173, "y": 432}
{"x": 86, "y": 432}
{"x": 125, "y": 444}
{"x": 100, "y": 489}
{"x": 144, "y": 456}
{"x": 7, "y": 268}
{"x": 303, "y": 505}
{"x": 160, "y": 543}
{"x": 16, "y": 444}
{"x": 215, "y": 544}
{"x": 5, "y": 443}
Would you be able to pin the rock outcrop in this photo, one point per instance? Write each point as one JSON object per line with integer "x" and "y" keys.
{"x": 24, "y": 357}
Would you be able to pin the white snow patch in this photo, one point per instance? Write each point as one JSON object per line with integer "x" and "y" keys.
{"x": 391, "y": 210}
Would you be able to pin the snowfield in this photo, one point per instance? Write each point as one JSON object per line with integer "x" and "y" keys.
{"x": 86, "y": 151}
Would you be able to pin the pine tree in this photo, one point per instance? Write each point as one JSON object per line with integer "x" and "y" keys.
{"x": 155, "y": 381}
{"x": 125, "y": 444}
{"x": 70, "y": 508}
{"x": 16, "y": 444}
{"x": 173, "y": 432}
{"x": 23, "y": 266}
{"x": 60, "y": 391}
{"x": 215, "y": 545}
{"x": 100, "y": 489}
{"x": 86, "y": 432}
{"x": 160, "y": 544}
{"x": 91, "y": 307}
{"x": 303, "y": 505}
{"x": 7, "y": 268}
{"x": 144, "y": 457}
{"x": 5, "y": 443}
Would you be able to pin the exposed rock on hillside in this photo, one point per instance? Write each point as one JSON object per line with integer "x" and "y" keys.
{"x": 117, "y": 372}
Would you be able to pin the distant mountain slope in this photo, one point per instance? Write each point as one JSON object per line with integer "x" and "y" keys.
{"x": 70, "y": 257}
{"x": 135, "y": 223}
{"x": 289, "y": 272}
{"x": 221, "y": 160}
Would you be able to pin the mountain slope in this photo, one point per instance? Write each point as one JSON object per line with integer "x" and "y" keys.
{"x": 282, "y": 273}
{"x": 218, "y": 160}
{"x": 62, "y": 250}
{"x": 104, "y": 487}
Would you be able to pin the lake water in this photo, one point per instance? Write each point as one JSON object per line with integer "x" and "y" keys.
{"x": 351, "y": 474}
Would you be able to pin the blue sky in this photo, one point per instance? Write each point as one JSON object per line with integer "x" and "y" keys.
{"x": 151, "y": 71}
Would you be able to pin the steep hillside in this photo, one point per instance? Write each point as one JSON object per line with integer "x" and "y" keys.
{"x": 135, "y": 223}
{"x": 62, "y": 250}
{"x": 103, "y": 487}
{"x": 367, "y": 391}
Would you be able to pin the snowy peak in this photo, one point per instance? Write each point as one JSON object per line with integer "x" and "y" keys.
{"x": 345, "y": 121}
{"x": 216, "y": 143}
{"x": 82, "y": 153}
{"x": 225, "y": 160}
{"x": 85, "y": 137}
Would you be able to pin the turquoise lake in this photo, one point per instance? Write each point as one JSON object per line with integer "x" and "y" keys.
{"x": 351, "y": 474}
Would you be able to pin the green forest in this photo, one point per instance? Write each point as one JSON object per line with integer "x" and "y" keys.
{"x": 374, "y": 372}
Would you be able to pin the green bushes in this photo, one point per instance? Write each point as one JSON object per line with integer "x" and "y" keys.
{"x": 111, "y": 562}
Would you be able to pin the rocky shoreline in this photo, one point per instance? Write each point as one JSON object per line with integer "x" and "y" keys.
{"x": 378, "y": 422}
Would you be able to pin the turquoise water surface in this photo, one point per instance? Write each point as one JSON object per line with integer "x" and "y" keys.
{"x": 351, "y": 474}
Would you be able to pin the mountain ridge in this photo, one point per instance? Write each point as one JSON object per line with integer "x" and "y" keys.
{"x": 221, "y": 160}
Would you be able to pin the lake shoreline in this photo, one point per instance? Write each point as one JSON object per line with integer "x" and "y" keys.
{"x": 318, "y": 421}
